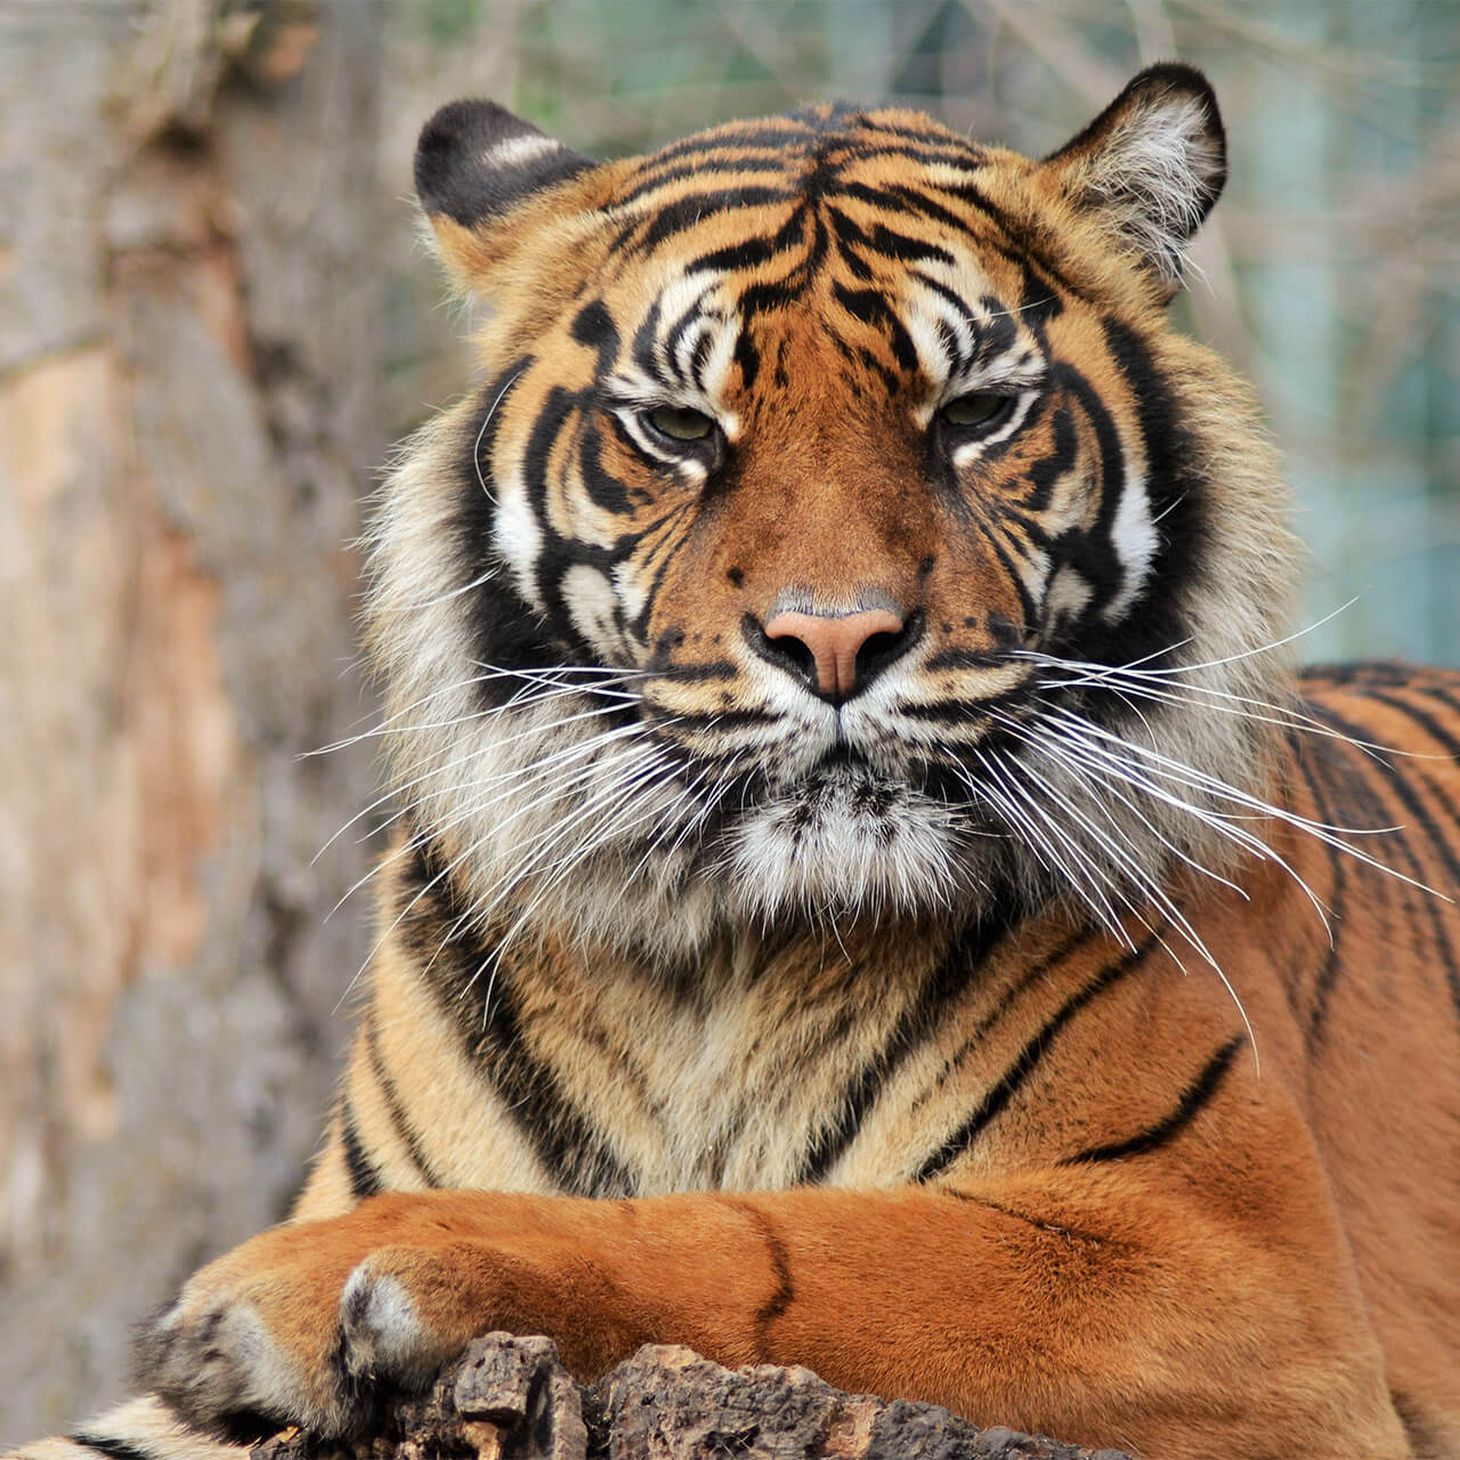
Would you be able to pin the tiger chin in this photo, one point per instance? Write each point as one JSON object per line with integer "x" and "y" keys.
{"x": 869, "y": 890}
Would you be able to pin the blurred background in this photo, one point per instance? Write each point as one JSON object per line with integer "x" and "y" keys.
{"x": 215, "y": 317}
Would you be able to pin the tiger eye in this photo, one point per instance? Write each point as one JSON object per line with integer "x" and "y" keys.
{"x": 680, "y": 423}
{"x": 975, "y": 410}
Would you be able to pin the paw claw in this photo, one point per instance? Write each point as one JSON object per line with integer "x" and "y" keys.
{"x": 221, "y": 1368}
{"x": 382, "y": 1336}
{"x": 277, "y": 1342}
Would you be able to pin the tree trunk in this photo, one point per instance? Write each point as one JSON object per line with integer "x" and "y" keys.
{"x": 188, "y": 414}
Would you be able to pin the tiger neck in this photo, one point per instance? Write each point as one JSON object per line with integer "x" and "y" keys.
{"x": 601, "y": 1073}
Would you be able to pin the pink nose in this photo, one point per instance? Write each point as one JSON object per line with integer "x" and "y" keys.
{"x": 834, "y": 643}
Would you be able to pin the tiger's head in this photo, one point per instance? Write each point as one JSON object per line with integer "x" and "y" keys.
{"x": 839, "y": 527}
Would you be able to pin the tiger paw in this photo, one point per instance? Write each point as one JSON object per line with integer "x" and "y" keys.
{"x": 311, "y": 1324}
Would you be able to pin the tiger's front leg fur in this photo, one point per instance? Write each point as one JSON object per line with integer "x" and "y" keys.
{"x": 1082, "y": 1302}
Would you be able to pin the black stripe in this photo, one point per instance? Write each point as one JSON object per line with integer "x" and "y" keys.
{"x": 776, "y": 142}
{"x": 692, "y": 314}
{"x": 506, "y": 632}
{"x": 604, "y": 489}
{"x": 763, "y": 162}
{"x": 593, "y": 326}
{"x": 1441, "y": 692}
{"x": 687, "y": 721}
{"x": 686, "y": 212}
{"x": 959, "y": 148}
{"x": 711, "y": 671}
{"x": 1054, "y": 1229}
{"x": 1418, "y": 1430}
{"x": 1022, "y": 239}
{"x": 667, "y": 549}
{"x": 784, "y": 1292}
{"x": 1416, "y": 808}
{"x": 886, "y": 242}
{"x": 919, "y": 156}
{"x": 1406, "y": 793}
{"x": 958, "y": 712}
{"x": 967, "y": 659}
{"x": 1006, "y": 1001}
{"x": 1027, "y": 1060}
{"x": 1360, "y": 673}
{"x": 869, "y": 306}
{"x": 1194, "y": 1099}
{"x": 1027, "y": 606}
{"x": 915, "y": 1026}
{"x": 1092, "y": 550}
{"x": 1046, "y": 473}
{"x": 749, "y": 253}
{"x": 364, "y": 1178}
{"x": 105, "y": 1445}
{"x": 902, "y": 198}
{"x": 400, "y": 1121}
{"x": 1327, "y": 978}
{"x": 1426, "y": 721}
{"x": 443, "y": 937}
{"x": 1176, "y": 479}
{"x": 747, "y": 357}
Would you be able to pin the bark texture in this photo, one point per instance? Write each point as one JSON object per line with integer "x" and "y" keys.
{"x": 188, "y": 339}
{"x": 511, "y": 1399}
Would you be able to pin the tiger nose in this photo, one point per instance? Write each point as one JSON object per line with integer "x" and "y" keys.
{"x": 835, "y": 646}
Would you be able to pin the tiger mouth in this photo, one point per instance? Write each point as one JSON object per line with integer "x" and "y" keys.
{"x": 893, "y": 765}
{"x": 849, "y": 785}
{"x": 849, "y": 778}
{"x": 842, "y": 761}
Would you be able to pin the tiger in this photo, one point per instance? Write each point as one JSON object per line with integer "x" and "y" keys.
{"x": 868, "y": 887}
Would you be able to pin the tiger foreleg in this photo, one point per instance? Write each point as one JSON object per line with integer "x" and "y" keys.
{"x": 1074, "y": 1303}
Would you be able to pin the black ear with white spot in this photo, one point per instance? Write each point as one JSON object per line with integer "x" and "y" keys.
{"x": 1151, "y": 165}
{"x": 476, "y": 166}
{"x": 475, "y": 161}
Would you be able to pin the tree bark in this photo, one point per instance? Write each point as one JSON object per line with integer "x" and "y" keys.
{"x": 188, "y": 412}
{"x": 511, "y": 1399}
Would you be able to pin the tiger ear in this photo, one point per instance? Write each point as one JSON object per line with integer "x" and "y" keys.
{"x": 481, "y": 174}
{"x": 1150, "y": 166}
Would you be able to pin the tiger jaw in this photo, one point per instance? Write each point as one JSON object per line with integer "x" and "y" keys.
{"x": 848, "y": 838}
{"x": 844, "y": 810}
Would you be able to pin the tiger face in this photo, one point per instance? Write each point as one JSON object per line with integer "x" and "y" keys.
{"x": 829, "y": 472}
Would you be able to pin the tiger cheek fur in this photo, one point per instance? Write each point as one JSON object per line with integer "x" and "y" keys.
{"x": 857, "y": 837}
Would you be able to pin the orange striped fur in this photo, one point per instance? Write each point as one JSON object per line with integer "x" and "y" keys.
{"x": 1036, "y": 1012}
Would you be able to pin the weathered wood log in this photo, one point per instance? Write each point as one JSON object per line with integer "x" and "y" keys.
{"x": 511, "y": 1399}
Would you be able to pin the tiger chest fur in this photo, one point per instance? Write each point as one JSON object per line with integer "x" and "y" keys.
{"x": 868, "y": 891}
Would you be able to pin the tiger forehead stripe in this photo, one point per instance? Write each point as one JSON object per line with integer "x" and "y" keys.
{"x": 797, "y": 164}
{"x": 812, "y": 135}
{"x": 838, "y": 220}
